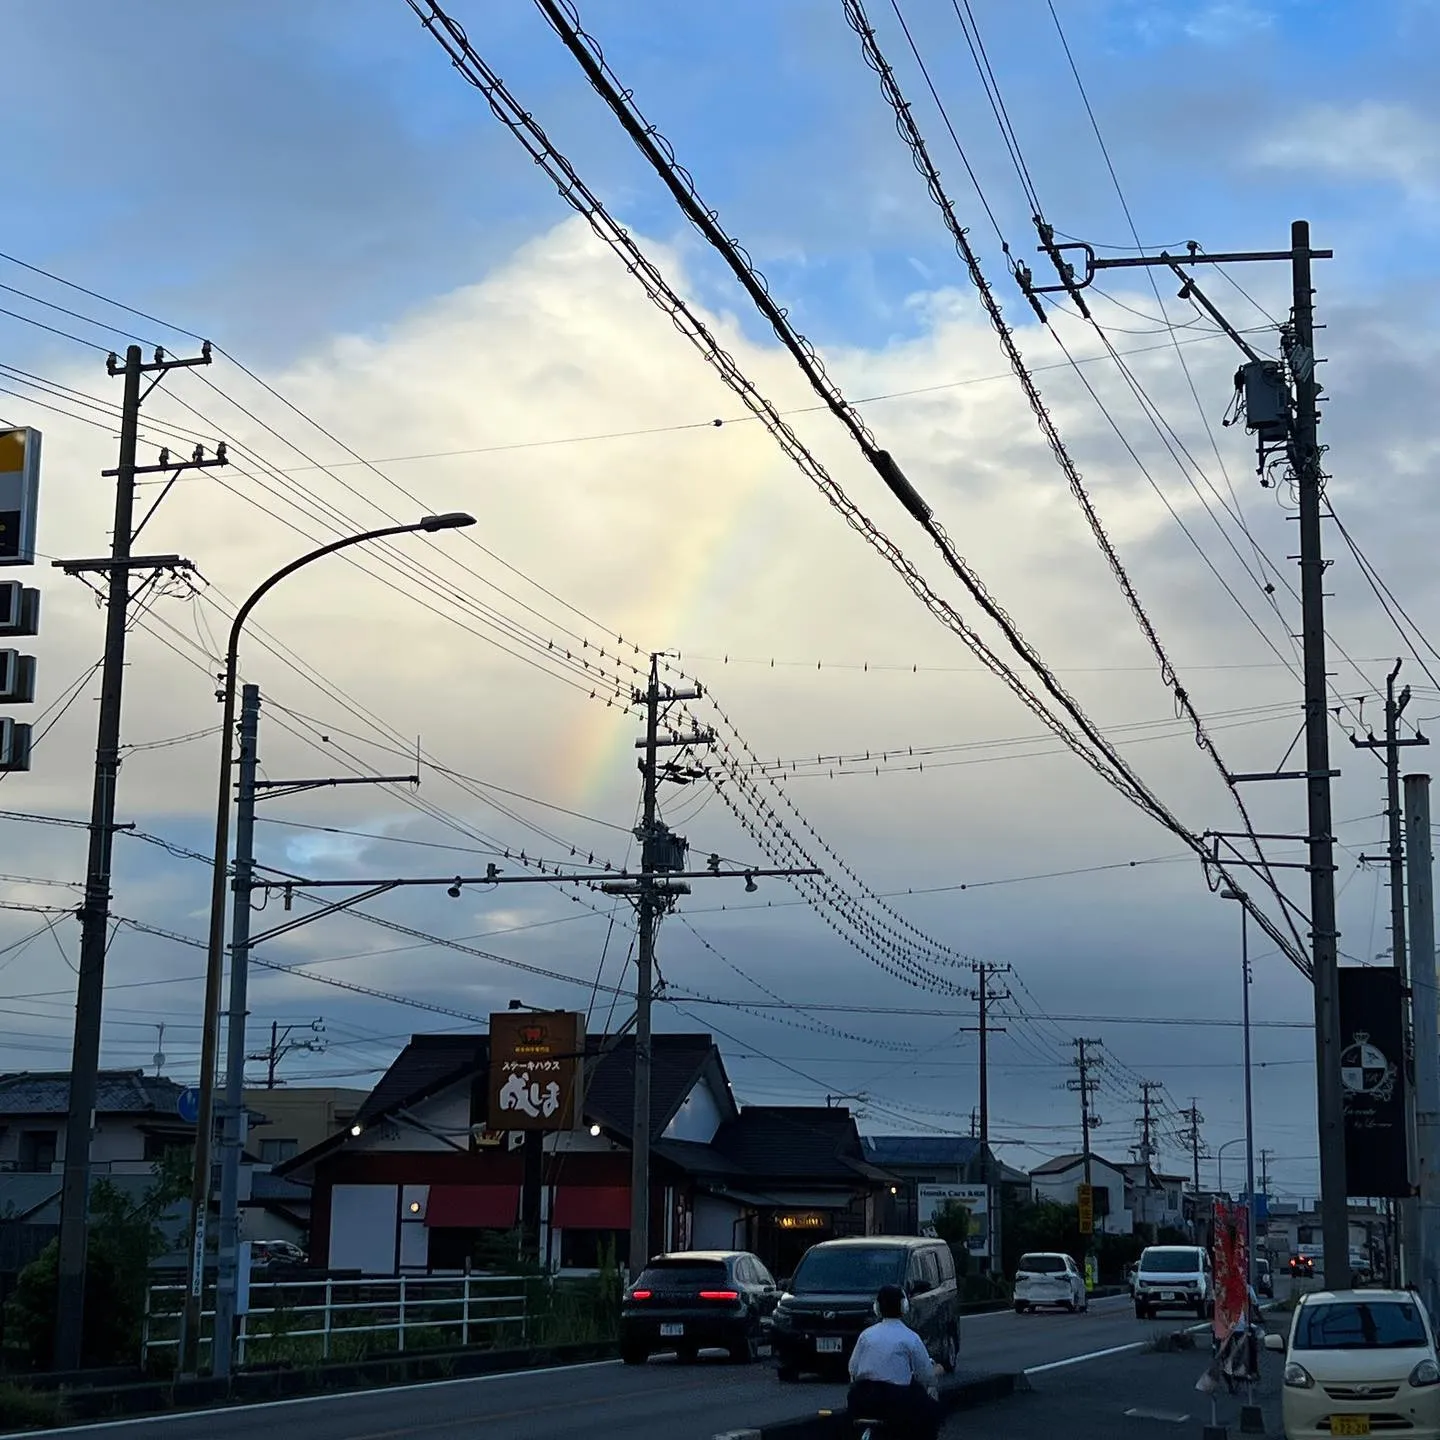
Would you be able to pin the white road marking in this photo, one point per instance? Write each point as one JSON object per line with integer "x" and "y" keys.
{"x": 171, "y": 1417}
{"x": 1081, "y": 1359}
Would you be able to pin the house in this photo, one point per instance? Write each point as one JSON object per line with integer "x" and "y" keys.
{"x": 285, "y": 1120}
{"x": 1154, "y": 1200}
{"x": 1059, "y": 1179}
{"x": 137, "y": 1120}
{"x": 418, "y": 1181}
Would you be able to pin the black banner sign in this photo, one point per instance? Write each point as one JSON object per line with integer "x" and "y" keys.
{"x": 1372, "y": 1060}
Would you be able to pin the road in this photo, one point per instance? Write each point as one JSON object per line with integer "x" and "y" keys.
{"x": 663, "y": 1399}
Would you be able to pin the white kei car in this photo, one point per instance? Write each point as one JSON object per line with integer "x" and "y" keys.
{"x": 1360, "y": 1362}
{"x": 1049, "y": 1278}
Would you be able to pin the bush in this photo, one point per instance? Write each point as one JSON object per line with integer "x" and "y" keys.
{"x": 22, "y": 1409}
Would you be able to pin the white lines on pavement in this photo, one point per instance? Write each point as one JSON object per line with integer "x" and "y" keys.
{"x": 172, "y": 1417}
{"x": 1081, "y": 1359}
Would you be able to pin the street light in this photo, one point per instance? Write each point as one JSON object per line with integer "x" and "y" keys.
{"x": 1232, "y": 894}
{"x": 1220, "y": 1162}
{"x": 215, "y": 962}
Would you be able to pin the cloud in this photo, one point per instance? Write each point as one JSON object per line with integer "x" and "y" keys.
{"x": 1369, "y": 142}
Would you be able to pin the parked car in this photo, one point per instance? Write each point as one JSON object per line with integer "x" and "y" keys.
{"x": 691, "y": 1301}
{"x": 831, "y": 1298}
{"x": 1359, "y": 1362}
{"x": 273, "y": 1255}
{"x": 1361, "y": 1270}
{"x": 1264, "y": 1278}
{"x": 1173, "y": 1277}
{"x": 1049, "y": 1278}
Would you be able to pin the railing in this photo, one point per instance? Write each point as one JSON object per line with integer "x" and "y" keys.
{"x": 325, "y": 1319}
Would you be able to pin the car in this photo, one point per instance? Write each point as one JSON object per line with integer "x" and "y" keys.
{"x": 1264, "y": 1278}
{"x": 831, "y": 1298}
{"x": 695, "y": 1300}
{"x": 1359, "y": 1362}
{"x": 1361, "y": 1270}
{"x": 1173, "y": 1277}
{"x": 271, "y": 1255}
{"x": 1302, "y": 1267}
{"x": 1049, "y": 1278}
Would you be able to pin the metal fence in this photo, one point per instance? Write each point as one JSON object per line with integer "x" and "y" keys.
{"x": 344, "y": 1319}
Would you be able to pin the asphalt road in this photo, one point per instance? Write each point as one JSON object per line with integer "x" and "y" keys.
{"x": 661, "y": 1401}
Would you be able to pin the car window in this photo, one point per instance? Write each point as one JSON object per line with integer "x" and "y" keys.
{"x": 849, "y": 1269}
{"x": 946, "y": 1262}
{"x": 762, "y": 1275}
{"x": 1360, "y": 1325}
{"x": 683, "y": 1275}
{"x": 741, "y": 1268}
{"x": 1042, "y": 1264}
{"x": 930, "y": 1268}
{"x": 1172, "y": 1261}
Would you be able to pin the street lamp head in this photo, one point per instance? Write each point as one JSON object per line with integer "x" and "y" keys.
{"x": 451, "y": 520}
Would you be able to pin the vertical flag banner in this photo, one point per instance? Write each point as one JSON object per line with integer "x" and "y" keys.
{"x": 1231, "y": 1262}
{"x": 19, "y": 489}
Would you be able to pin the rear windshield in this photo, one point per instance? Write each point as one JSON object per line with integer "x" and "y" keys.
{"x": 682, "y": 1275}
{"x": 1360, "y": 1325}
{"x": 1170, "y": 1261}
{"x": 1042, "y": 1264}
{"x": 852, "y": 1269}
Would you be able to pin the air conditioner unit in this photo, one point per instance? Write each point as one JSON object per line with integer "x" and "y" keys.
{"x": 14, "y": 745}
{"x": 19, "y": 609}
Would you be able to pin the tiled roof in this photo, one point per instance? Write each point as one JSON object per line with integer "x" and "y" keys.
{"x": 920, "y": 1149}
{"x": 1061, "y": 1163}
{"x": 795, "y": 1142}
{"x": 120, "y": 1092}
{"x": 427, "y": 1064}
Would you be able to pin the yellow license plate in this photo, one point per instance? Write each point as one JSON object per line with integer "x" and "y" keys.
{"x": 1349, "y": 1424}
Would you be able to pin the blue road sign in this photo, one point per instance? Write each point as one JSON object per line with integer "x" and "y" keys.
{"x": 187, "y": 1104}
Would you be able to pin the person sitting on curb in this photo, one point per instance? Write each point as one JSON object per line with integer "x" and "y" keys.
{"x": 892, "y": 1378}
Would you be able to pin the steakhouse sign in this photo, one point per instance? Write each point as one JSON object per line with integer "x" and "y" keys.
{"x": 535, "y": 1069}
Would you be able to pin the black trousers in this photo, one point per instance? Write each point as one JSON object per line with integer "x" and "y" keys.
{"x": 907, "y": 1410}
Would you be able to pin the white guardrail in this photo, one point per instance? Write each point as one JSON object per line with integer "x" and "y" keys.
{"x": 461, "y": 1308}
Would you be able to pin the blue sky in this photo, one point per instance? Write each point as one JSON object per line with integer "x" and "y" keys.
{"x": 315, "y": 188}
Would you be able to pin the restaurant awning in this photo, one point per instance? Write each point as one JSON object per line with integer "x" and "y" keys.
{"x": 473, "y": 1207}
{"x": 591, "y": 1207}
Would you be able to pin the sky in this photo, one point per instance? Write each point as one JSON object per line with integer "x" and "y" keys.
{"x": 408, "y": 318}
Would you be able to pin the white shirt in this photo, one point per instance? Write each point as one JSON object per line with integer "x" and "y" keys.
{"x": 892, "y": 1352}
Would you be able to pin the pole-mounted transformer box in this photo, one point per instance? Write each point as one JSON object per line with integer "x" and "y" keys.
{"x": 1262, "y": 386}
{"x": 14, "y": 744}
{"x": 17, "y": 678}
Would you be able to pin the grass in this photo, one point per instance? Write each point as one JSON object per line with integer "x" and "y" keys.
{"x": 22, "y": 1409}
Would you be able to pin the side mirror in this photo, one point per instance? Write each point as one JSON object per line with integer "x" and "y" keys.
{"x": 1276, "y": 1343}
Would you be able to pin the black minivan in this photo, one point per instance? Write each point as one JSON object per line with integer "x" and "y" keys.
{"x": 831, "y": 1297}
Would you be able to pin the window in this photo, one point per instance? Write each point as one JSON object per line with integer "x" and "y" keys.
{"x": 930, "y": 1268}
{"x": 947, "y": 1263}
{"x": 762, "y": 1275}
{"x": 687, "y": 1275}
{"x": 37, "y": 1150}
{"x": 849, "y": 1269}
{"x": 272, "y": 1152}
{"x": 157, "y": 1147}
{"x": 1172, "y": 1262}
{"x": 583, "y": 1249}
{"x": 1043, "y": 1264}
{"x": 1361, "y": 1325}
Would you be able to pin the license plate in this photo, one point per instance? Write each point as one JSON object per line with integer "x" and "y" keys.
{"x": 672, "y": 1330}
{"x": 828, "y": 1345}
{"x": 1349, "y": 1424}
{"x": 1168, "y": 1295}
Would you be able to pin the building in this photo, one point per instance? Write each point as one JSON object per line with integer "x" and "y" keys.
{"x": 419, "y": 1182}
{"x": 288, "y": 1119}
{"x": 1060, "y": 1178}
{"x": 137, "y": 1120}
{"x": 1156, "y": 1201}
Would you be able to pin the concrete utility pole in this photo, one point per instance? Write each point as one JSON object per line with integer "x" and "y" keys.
{"x": 984, "y": 970}
{"x": 1426, "y": 1275}
{"x": 94, "y": 913}
{"x": 1192, "y": 1138}
{"x": 234, "y": 1116}
{"x": 1086, "y": 1063}
{"x": 1407, "y": 1209}
{"x": 1148, "y": 1149}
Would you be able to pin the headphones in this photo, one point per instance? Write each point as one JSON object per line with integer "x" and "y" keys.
{"x": 904, "y": 1306}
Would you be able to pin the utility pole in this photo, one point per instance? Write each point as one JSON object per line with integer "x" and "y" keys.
{"x": 1406, "y": 1209}
{"x": 234, "y": 1116}
{"x": 984, "y": 970}
{"x": 1265, "y": 1171}
{"x": 1148, "y": 1149}
{"x": 94, "y": 913}
{"x": 1425, "y": 1274}
{"x": 1285, "y": 417}
{"x": 1192, "y": 1138}
{"x": 1085, "y": 1063}
{"x": 282, "y": 1045}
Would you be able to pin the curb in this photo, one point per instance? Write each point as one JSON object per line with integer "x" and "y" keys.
{"x": 834, "y": 1424}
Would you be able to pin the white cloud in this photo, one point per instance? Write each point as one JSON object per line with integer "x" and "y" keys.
{"x": 1372, "y": 141}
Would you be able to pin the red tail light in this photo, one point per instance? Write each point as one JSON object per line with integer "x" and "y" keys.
{"x": 640, "y": 1294}
{"x": 719, "y": 1294}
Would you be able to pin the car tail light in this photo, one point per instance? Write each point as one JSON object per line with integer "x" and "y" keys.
{"x": 719, "y": 1294}
{"x": 640, "y": 1294}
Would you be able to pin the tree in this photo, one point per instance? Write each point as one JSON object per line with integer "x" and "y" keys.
{"x": 952, "y": 1225}
{"x": 125, "y": 1236}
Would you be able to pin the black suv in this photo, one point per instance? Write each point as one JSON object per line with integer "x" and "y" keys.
{"x": 831, "y": 1299}
{"x": 697, "y": 1300}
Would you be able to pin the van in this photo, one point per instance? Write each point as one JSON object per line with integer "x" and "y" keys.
{"x": 1174, "y": 1277}
{"x": 830, "y": 1299}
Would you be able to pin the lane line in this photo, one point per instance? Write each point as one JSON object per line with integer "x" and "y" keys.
{"x": 377, "y": 1392}
{"x": 1081, "y": 1359}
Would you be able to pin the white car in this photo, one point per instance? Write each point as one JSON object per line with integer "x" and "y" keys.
{"x": 1360, "y": 1362}
{"x": 1173, "y": 1277}
{"x": 1049, "y": 1278}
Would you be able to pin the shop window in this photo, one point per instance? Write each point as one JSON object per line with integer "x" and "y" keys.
{"x": 588, "y": 1249}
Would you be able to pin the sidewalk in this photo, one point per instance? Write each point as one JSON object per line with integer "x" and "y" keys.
{"x": 1135, "y": 1396}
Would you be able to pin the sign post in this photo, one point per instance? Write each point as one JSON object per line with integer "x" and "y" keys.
{"x": 975, "y": 1198}
{"x": 1085, "y": 1202}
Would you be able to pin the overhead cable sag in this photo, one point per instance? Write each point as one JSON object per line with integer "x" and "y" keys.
{"x": 564, "y": 19}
